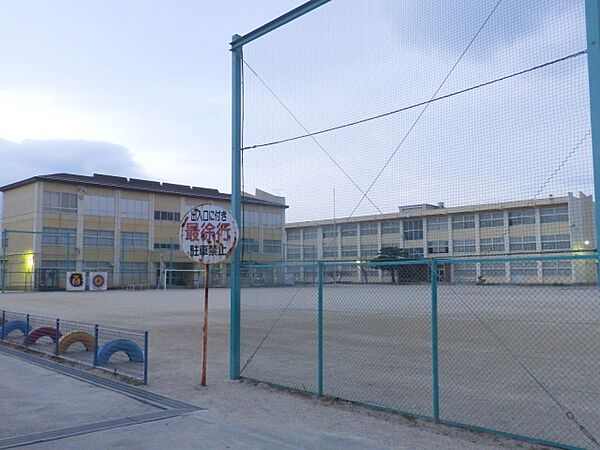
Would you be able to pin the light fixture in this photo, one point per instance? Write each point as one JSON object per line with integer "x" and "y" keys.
{"x": 586, "y": 242}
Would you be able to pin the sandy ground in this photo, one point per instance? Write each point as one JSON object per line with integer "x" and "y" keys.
{"x": 377, "y": 352}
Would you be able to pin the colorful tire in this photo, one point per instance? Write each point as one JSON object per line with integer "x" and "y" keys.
{"x": 130, "y": 348}
{"x": 76, "y": 336}
{"x": 40, "y": 332}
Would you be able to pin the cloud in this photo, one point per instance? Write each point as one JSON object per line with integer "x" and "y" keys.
{"x": 38, "y": 157}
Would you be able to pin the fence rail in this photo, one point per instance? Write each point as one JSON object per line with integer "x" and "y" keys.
{"x": 116, "y": 350}
{"x": 512, "y": 352}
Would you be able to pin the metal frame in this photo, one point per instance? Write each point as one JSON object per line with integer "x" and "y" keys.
{"x": 592, "y": 10}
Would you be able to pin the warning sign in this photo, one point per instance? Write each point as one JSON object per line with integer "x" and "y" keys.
{"x": 208, "y": 234}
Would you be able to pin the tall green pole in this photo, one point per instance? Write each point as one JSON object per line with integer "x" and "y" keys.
{"x": 236, "y": 205}
{"x": 4, "y": 245}
{"x": 434, "y": 343}
{"x": 592, "y": 14}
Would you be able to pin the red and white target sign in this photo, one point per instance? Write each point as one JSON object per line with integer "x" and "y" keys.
{"x": 208, "y": 234}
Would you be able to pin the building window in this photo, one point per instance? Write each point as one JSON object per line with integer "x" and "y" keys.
{"x": 294, "y": 252}
{"x": 553, "y": 215}
{"x": 493, "y": 269}
{"x": 167, "y": 215}
{"x": 134, "y": 271}
{"x": 369, "y": 250}
{"x": 272, "y": 220}
{"x": 310, "y": 252}
{"x": 271, "y": 246}
{"x": 293, "y": 235}
{"x": 251, "y": 219}
{"x": 310, "y": 234}
{"x": 330, "y": 231}
{"x": 96, "y": 205}
{"x": 437, "y": 246}
{"x": 134, "y": 209}
{"x": 492, "y": 219}
{"x": 330, "y": 251}
{"x": 105, "y": 266}
{"x": 60, "y": 202}
{"x": 59, "y": 237}
{"x": 463, "y": 246}
{"x": 249, "y": 246}
{"x": 437, "y": 223}
{"x": 522, "y": 244}
{"x": 165, "y": 246}
{"x": 556, "y": 242}
{"x": 413, "y": 229}
{"x": 53, "y": 264}
{"x": 348, "y": 229}
{"x": 134, "y": 240}
{"x": 523, "y": 269}
{"x": 495, "y": 244}
{"x": 349, "y": 251}
{"x": 414, "y": 253}
{"x": 390, "y": 227}
{"x": 464, "y": 272}
{"x": 557, "y": 268}
{"x": 368, "y": 229}
{"x": 98, "y": 238}
{"x": 521, "y": 217}
{"x": 463, "y": 222}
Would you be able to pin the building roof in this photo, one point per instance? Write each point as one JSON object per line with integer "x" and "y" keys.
{"x": 134, "y": 184}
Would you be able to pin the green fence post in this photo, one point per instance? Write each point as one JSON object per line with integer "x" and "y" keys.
{"x": 592, "y": 13}
{"x": 434, "y": 342}
{"x": 236, "y": 205}
{"x": 320, "y": 328}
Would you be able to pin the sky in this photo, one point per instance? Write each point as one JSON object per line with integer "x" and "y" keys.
{"x": 141, "y": 88}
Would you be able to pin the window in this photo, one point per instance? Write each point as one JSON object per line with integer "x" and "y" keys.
{"x": 310, "y": 252}
{"x": 349, "y": 251}
{"x": 53, "y": 264}
{"x": 271, "y": 246}
{"x": 495, "y": 244}
{"x": 522, "y": 217}
{"x": 522, "y": 244}
{"x": 556, "y": 242}
{"x": 272, "y": 220}
{"x": 330, "y": 251}
{"x": 310, "y": 234}
{"x": 166, "y": 246}
{"x": 464, "y": 272}
{"x": 249, "y": 246}
{"x": 134, "y": 240}
{"x": 251, "y": 219}
{"x": 413, "y": 229}
{"x": 523, "y": 269}
{"x": 557, "y": 268}
{"x": 134, "y": 209}
{"x": 437, "y": 246}
{"x": 553, "y": 215}
{"x": 60, "y": 202}
{"x": 134, "y": 271}
{"x": 368, "y": 229}
{"x": 329, "y": 231}
{"x": 293, "y": 235}
{"x": 414, "y": 253}
{"x": 294, "y": 252}
{"x": 492, "y": 219}
{"x": 390, "y": 227}
{"x": 105, "y": 266}
{"x": 369, "y": 250}
{"x": 96, "y": 205}
{"x": 437, "y": 224}
{"x": 493, "y": 269}
{"x": 463, "y": 222}
{"x": 167, "y": 215}
{"x": 463, "y": 246}
{"x": 59, "y": 237}
{"x": 348, "y": 229}
{"x": 98, "y": 238}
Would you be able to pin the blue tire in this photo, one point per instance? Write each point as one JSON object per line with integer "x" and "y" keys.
{"x": 130, "y": 348}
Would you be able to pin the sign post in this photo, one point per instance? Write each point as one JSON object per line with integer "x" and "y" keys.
{"x": 208, "y": 234}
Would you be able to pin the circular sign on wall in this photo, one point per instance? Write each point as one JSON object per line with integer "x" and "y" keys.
{"x": 208, "y": 234}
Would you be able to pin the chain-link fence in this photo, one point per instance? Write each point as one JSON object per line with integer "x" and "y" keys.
{"x": 117, "y": 350}
{"x": 511, "y": 350}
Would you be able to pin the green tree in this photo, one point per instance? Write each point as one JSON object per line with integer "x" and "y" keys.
{"x": 391, "y": 253}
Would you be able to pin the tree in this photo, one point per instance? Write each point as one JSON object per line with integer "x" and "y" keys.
{"x": 391, "y": 253}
